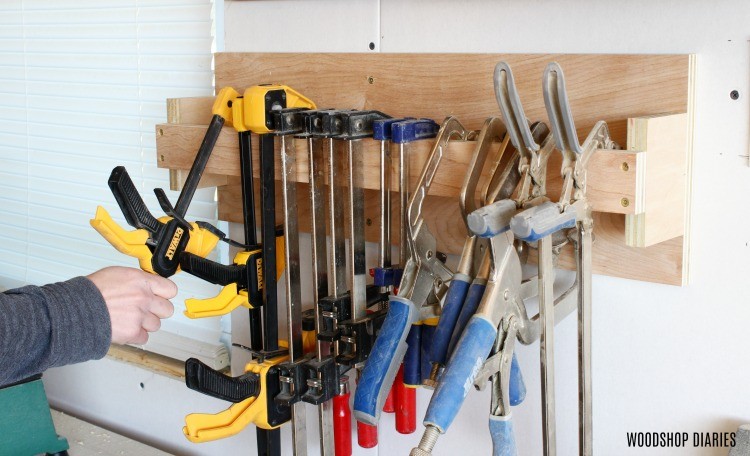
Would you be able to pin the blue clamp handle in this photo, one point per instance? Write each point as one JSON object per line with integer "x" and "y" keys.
{"x": 452, "y": 306}
{"x": 471, "y": 352}
{"x": 471, "y": 303}
{"x": 503, "y": 439}
{"x": 385, "y": 277}
{"x": 412, "y": 357}
{"x": 428, "y": 335}
{"x": 517, "y": 386}
{"x": 540, "y": 221}
{"x": 412, "y": 130}
{"x": 381, "y": 128}
{"x": 384, "y": 360}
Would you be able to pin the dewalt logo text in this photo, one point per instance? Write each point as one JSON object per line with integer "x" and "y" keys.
{"x": 174, "y": 242}
{"x": 259, "y": 272}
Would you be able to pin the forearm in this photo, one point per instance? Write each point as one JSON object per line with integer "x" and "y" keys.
{"x": 52, "y": 325}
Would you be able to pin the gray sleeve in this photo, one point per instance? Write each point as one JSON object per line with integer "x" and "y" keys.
{"x": 53, "y": 325}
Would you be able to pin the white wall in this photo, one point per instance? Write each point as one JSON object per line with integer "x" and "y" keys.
{"x": 665, "y": 358}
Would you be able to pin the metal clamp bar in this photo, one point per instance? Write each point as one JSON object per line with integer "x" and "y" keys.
{"x": 316, "y": 158}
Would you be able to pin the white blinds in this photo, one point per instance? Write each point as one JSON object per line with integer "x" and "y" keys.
{"x": 82, "y": 83}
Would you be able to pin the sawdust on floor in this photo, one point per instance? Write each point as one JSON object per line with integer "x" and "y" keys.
{"x": 85, "y": 439}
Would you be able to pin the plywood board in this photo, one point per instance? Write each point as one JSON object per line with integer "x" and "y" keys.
{"x": 611, "y": 176}
{"x": 600, "y": 87}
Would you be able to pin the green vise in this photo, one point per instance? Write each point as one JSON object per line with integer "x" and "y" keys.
{"x": 26, "y": 422}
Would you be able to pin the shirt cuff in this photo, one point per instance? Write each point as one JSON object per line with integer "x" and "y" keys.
{"x": 81, "y": 327}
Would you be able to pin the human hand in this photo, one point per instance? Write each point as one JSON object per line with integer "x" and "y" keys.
{"x": 136, "y": 300}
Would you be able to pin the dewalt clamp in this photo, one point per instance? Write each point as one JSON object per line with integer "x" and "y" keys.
{"x": 422, "y": 275}
{"x": 159, "y": 243}
{"x": 243, "y": 281}
{"x": 255, "y": 404}
{"x": 247, "y": 282}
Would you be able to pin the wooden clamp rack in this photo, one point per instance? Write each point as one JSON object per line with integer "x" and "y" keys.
{"x": 639, "y": 194}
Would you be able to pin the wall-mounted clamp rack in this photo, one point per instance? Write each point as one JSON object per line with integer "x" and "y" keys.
{"x": 640, "y": 194}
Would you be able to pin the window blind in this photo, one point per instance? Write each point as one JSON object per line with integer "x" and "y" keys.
{"x": 82, "y": 84}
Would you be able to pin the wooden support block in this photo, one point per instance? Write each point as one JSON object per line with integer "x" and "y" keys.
{"x": 177, "y": 178}
{"x": 608, "y": 183}
{"x": 194, "y": 110}
{"x": 660, "y": 202}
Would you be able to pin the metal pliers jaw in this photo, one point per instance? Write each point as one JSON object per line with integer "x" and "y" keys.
{"x": 498, "y": 369}
{"x": 533, "y": 160}
{"x": 575, "y": 156}
{"x": 492, "y": 132}
{"x": 423, "y": 267}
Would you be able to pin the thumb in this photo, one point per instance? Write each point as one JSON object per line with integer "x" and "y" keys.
{"x": 161, "y": 286}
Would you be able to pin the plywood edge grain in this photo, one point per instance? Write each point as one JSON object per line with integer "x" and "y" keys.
{"x": 662, "y": 198}
{"x": 147, "y": 360}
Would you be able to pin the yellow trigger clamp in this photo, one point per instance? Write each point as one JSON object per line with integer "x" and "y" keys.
{"x": 159, "y": 243}
{"x": 243, "y": 280}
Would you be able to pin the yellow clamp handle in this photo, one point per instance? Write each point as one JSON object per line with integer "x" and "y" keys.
{"x": 250, "y": 113}
{"x": 230, "y": 297}
{"x": 131, "y": 243}
{"x": 201, "y": 242}
{"x": 223, "y": 103}
{"x": 204, "y": 427}
{"x": 226, "y": 301}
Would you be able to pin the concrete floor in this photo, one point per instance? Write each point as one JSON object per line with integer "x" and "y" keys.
{"x": 85, "y": 439}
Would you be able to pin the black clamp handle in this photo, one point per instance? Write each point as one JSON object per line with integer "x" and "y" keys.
{"x": 202, "y": 378}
